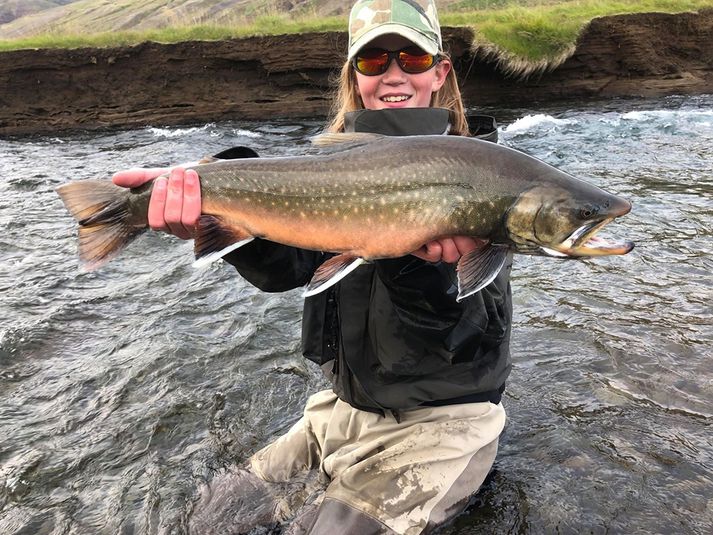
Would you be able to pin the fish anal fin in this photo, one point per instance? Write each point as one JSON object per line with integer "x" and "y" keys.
{"x": 215, "y": 238}
{"x": 332, "y": 271}
{"x": 479, "y": 268}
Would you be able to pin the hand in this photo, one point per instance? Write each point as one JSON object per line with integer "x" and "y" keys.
{"x": 448, "y": 249}
{"x": 175, "y": 203}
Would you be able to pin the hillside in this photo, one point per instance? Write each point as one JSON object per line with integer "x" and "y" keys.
{"x": 15, "y": 9}
{"x": 288, "y": 76}
{"x": 121, "y": 15}
{"x": 73, "y": 17}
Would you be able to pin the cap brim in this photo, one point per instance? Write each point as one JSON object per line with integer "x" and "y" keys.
{"x": 416, "y": 37}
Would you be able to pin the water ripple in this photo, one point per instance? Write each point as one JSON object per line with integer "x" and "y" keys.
{"x": 124, "y": 389}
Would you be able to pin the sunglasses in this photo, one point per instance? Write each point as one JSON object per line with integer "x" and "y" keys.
{"x": 412, "y": 60}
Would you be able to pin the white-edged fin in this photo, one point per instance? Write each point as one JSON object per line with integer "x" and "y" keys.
{"x": 332, "y": 271}
{"x": 554, "y": 253}
{"x": 203, "y": 261}
{"x": 479, "y": 268}
{"x": 334, "y": 139}
{"x": 215, "y": 238}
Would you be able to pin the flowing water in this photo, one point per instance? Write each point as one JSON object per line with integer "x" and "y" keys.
{"x": 123, "y": 389}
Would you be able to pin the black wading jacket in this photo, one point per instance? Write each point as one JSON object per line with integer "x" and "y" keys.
{"x": 391, "y": 335}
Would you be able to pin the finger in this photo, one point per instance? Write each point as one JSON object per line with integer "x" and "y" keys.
{"x": 466, "y": 244}
{"x": 173, "y": 212}
{"x": 157, "y": 205}
{"x": 431, "y": 252}
{"x": 191, "y": 200}
{"x": 133, "y": 178}
{"x": 450, "y": 251}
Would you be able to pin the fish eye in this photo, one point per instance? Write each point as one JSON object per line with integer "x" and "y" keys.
{"x": 588, "y": 211}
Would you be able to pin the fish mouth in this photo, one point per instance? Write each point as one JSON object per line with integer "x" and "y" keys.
{"x": 583, "y": 242}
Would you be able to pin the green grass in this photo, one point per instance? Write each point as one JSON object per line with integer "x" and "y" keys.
{"x": 527, "y": 34}
{"x": 544, "y": 31}
{"x": 265, "y": 25}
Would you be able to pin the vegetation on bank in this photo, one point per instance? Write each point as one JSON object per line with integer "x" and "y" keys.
{"x": 525, "y": 35}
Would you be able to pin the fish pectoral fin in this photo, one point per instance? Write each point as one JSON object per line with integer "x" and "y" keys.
{"x": 332, "y": 271}
{"x": 479, "y": 268}
{"x": 215, "y": 239}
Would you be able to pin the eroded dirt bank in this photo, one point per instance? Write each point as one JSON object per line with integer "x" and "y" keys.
{"x": 44, "y": 91}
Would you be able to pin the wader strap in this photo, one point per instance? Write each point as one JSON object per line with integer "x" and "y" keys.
{"x": 493, "y": 396}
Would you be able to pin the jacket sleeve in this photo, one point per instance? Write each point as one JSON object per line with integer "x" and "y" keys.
{"x": 273, "y": 267}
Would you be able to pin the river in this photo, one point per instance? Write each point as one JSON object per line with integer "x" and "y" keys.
{"x": 121, "y": 390}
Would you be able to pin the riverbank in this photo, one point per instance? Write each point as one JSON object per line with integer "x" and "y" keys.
{"x": 45, "y": 91}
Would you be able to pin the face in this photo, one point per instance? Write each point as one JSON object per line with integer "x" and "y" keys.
{"x": 395, "y": 88}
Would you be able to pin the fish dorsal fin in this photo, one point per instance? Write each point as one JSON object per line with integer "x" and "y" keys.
{"x": 215, "y": 239}
{"x": 236, "y": 153}
{"x": 331, "y": 272}
{"x": 479, "y": 268}
{"x": 344, "y": 140}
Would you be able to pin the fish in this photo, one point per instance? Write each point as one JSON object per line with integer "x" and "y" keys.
{"x": 366, "y": 197}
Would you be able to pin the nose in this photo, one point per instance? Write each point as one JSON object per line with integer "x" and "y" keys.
{"x": 393, "y": 74}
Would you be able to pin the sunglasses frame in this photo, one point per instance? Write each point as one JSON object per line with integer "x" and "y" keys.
{"x": 394, "y": 55}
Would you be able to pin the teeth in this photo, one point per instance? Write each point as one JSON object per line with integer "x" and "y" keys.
{"x": 399, "y": 98}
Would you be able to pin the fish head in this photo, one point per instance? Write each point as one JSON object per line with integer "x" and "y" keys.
{"x": 559, "y": 221}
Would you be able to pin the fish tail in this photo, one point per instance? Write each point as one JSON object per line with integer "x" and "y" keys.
{"x": 104, "y": 214}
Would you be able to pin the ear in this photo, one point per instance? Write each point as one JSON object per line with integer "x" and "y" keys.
{"x": 441, "y": 72}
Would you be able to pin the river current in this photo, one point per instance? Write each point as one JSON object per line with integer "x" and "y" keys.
{"x": 123, "y": 389}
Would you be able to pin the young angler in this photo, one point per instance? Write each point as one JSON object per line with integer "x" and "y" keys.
{"x": 410, "y": 427}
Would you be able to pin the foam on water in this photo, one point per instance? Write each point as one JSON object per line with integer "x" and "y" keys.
{"x": 537, "y": 121}
{"x": 665, "y": 116}
{"x": 179, "y": 131}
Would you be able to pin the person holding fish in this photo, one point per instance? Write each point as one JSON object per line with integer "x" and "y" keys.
{"x": 410, "y": 428}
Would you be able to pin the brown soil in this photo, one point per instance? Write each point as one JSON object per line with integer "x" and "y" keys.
{"x": 44, "y": 91}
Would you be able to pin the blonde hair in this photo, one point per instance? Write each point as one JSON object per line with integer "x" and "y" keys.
{"x": 346, "y": 98}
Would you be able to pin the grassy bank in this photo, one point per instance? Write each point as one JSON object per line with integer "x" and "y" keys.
{"x": 541, "y": 34}
{"x": 526, "y": 35}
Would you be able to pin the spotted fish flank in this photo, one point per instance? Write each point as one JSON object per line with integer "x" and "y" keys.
{"x": 371, "y": 197}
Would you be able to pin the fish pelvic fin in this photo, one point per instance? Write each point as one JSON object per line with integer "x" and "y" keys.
{"x": 215, "y": 238}
{"x": 331, "y": 272}
{"x": 104, "y": 214}
{"x": 479, "y": 268}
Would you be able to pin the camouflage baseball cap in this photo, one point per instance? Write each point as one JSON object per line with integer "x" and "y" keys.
{"x": 415, "y": 20}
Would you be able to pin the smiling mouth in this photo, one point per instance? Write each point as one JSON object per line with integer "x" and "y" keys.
{"x": 398, "y": 98}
